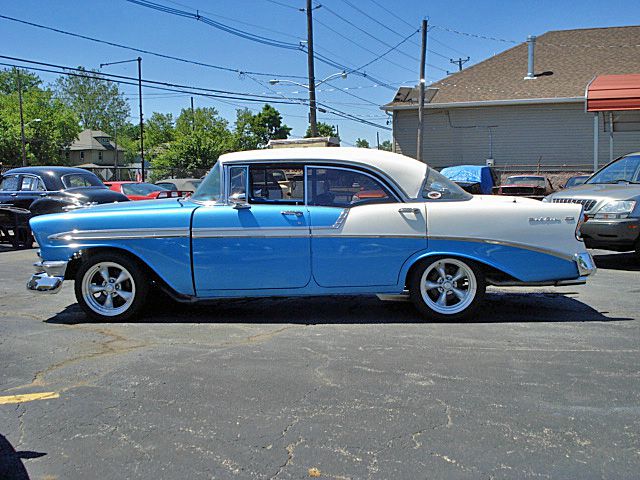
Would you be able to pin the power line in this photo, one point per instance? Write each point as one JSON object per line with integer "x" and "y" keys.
{"x": 395, "y": 47}
{"x": 148, "y": 52}
{"x": 392, "y": 13}
{"x": 215, "y": 24}
{"x": 475, "y": 35}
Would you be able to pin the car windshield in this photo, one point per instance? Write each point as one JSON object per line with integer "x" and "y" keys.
{"x": 538, "y": 181}
{"x": 140, "y": 188}
{"x": 438, "y": 187}
{"x": 210, "y": 190}
{"x": 78, "y": 180}
{"x": 625, "y": 169}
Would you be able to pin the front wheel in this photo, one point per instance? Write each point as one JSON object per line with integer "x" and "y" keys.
{"x": 111, "y": 287}
{"x": 445, "y": 288}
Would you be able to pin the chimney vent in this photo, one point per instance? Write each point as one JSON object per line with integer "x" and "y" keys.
{"x": 531, "y": 41}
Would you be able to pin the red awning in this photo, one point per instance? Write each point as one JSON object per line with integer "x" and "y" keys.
{"x": 614, "y": 93}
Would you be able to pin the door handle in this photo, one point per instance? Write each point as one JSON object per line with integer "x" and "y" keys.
{"x": 13, "y": 194}
{"x": 291, "y": 212}
{"x": 409, "y": 210}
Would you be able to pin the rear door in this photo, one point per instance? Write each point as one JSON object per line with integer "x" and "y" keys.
{"x": 361, "y": 232}
{"x": 31, "y": 188}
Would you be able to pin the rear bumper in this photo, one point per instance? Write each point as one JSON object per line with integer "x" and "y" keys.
{"x": 48, "y": 278}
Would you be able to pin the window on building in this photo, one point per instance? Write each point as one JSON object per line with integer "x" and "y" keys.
{"x": 622, "y": 121}
{"x": 99, "y": 155}
{"x": 81, "y": 155}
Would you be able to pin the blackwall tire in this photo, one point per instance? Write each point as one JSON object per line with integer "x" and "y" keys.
{"x": 447, "y": 288}
{"x": 111, "y": 287}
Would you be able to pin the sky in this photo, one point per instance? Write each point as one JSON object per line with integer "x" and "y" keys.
{"x": 350, "y": 33}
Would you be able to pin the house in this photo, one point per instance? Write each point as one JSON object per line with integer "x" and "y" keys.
{"x": 94, "y": 147}
{"x": 524, "y": 118}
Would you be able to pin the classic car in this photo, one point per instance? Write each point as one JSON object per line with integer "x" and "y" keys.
{"x": 182, "y": 184}
{"x": 476, "y": 179}
{"x": 611, "y": 201}
{"x": 143, "y": 190}
{"x": 233, "y": 237}
{"x": 30, "y": 191}
{"x": 531, "y": 186}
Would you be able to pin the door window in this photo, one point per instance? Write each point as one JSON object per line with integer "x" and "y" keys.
{"x": 31, "y": 184}
{"x": 238, "y": 183}
{"x": 279, "y": 184}
{"x": 9, "y": 183}
{"x": 337, "y": 187}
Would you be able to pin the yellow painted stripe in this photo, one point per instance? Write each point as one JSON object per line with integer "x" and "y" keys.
{"x": 28, "y": 397}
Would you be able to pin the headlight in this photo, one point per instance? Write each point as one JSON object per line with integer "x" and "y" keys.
{"x": 616, "y": 209}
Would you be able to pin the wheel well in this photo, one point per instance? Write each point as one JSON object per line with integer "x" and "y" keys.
{"x": 492, "y": 274}
{"x": 83, "y": 255}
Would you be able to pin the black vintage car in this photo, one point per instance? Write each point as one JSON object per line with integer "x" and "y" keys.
{"x": 30, "y": 191}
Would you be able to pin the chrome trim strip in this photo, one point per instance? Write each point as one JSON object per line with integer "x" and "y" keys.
{"x": 355, "y": 235}
{"x": 284, "y": 232}
{"x": 121, "y": 234}
{"x": 564, "y": 256}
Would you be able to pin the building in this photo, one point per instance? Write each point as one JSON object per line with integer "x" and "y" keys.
{"x": 94, "y": 147}
{"x": 525, "y": 117}
{"x": 305, "y": 142}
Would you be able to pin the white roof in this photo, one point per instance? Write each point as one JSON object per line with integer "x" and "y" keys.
{"x": 406, "y": 172}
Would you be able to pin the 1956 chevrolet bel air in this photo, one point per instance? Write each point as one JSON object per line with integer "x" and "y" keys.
{"x": 346, "y": 221}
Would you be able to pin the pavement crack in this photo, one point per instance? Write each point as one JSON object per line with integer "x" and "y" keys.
{"x": 290, "y": 451}
{"x": 447, "y": 411}
{"x": 20, "y": 424}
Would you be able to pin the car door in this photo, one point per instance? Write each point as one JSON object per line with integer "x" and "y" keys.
{"x": 9, "y": 187}
{"x": 257, "y": 239}
{"x": 31, "y": 189}
{"x": 361, "y": 232}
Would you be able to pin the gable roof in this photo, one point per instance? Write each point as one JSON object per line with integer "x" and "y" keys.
{"x": 88, "y": 140}
{"x": 574, "y": 56}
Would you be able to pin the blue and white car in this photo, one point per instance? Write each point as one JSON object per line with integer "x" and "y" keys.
{"x": 347, "y": 221}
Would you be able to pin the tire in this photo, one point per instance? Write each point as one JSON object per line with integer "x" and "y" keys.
{"x": 439, "y": 295}
{"x": 111, "y": 287}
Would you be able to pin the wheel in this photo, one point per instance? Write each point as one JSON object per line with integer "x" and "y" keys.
{"x": 111, "y": 287}
{"x": 446, "y": 288}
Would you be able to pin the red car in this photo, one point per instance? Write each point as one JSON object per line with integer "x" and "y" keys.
{"x": 143, "y": 191}
{"x": 532, "y": 186}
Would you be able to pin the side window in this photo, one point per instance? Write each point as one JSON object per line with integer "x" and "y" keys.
{"x": 281, "y": 184}
{"x": 31, "y": 184}
{"x": 238, "y": 183}
{"x": 332, "y": 187}
{"x": 9, "y": 183}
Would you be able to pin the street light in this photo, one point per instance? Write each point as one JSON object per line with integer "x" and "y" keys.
{"x": 312, "y": 96}
{"x": 139, "y": 60}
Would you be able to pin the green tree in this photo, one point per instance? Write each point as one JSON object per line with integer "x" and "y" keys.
{"x": 386, "y": 145}
{"x": 9, "y": 81}
{"x": 47, "y": 139}
{"x": 254, "y": 131}
{"x": 159, "y": 130}
{"x": 362, "y": 143}
{"x": 324, "y": 130}
{"x": 200, "y": 138}
{"x": 98, "y": 103}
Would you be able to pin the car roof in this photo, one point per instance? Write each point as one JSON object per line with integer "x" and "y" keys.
{"x": 406, "y": 172}
{"x": 43, "y": 170}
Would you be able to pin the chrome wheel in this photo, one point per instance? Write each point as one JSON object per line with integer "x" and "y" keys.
{"x": 448, "y": 286}
{"x": 108, "y": 289}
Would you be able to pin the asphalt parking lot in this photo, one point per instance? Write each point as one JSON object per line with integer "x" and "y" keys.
{"x": 543, "y": 384}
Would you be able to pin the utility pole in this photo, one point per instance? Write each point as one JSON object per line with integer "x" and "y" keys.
{"x": 115, "y": 138}
{"x": 460, "y": 61}
{"x": 24, "y": 139}
{"x": 378, "y": 140}
{"x": 193, "y": 117}
{"x": 423, "y": 55}
{"x": 139, "y": 59}
{"x": 313, "y": 124}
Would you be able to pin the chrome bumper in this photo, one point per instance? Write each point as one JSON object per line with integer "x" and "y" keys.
{"x": 586, "y": 265}
{"x": 48, "y": 277}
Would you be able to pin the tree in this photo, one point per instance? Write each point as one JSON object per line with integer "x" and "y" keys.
{"x": 9, "y": 81}
{"x": 254, "y": 131}
{"x": 159, "y": 130}
{"x": 200, "y": 138}
{"x": 386, "y": 145}
{"x": 47, "y": 139}
{"x": 324, "y": 130}
{"x": 362, "y": 143}
{"x": 98, "y": 103}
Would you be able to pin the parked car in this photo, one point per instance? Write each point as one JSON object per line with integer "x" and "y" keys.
{"x": 576, "y": 180}
{"x": 235, "y": 238}
{"x": 182, "y": 184}
{"x": 143, "y": 190}
{"x": 474, "y": 179}
{"x": 611, "y": 200}
{"x": 30, "y": 191}
{"x": 531, "y": 186}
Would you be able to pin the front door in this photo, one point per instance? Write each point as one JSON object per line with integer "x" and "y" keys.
{"x": 258, "y": 240}
{"x": 361, "y": 233}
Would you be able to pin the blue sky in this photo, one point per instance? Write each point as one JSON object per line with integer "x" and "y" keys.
{"x": 126, "y": 23}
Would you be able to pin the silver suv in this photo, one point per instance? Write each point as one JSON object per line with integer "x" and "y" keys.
{"x": 611, "y": 202}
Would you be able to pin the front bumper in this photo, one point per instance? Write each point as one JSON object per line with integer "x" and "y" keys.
{"x": 48, "y": 277}
{"x": 611, "y": 234}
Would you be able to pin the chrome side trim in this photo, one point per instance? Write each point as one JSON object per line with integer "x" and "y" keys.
{"x": 355, "y": 235}
{"x": 337, "y": 224}
{"x": 120, "y": 234}
{"x": 564, "y": 256}
{"x": 284, "y": 232}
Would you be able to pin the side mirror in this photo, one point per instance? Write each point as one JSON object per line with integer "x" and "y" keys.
{"x": 239, "y": 201}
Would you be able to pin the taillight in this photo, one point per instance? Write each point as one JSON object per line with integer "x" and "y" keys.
{"x": 581, "y": 219}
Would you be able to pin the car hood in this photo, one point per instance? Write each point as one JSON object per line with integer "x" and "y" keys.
{"x": 602, "y": 191}
{"x": 128, "y": 206}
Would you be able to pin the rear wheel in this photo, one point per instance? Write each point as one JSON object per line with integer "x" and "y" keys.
{"x": 111, "y": 287}
{"x": 447, "y": 288}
